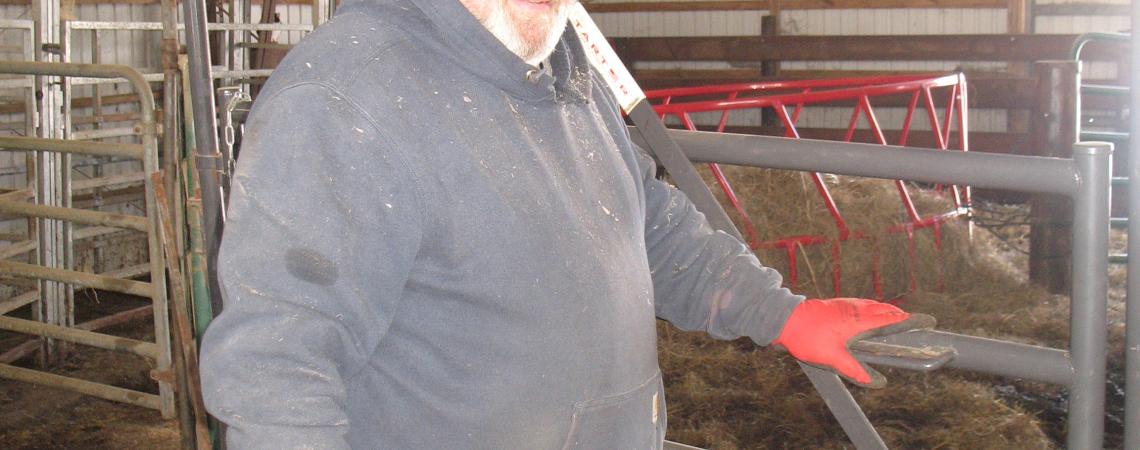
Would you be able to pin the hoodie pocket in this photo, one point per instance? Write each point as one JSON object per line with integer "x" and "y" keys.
{"x": 632, "y": 420}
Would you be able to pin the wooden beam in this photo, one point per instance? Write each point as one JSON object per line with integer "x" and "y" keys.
{"x": 612, "y": 7}
{"x": 981, "y": 47}
{"x": 625, "y": 7}
{"x": 1081, "y": 9}
{"x": 1016, "y": 14}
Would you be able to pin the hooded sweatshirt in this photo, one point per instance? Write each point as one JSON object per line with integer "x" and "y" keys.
{"x": 433, "y": 245}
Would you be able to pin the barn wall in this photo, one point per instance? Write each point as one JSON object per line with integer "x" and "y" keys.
{"x": 140, "y": 48}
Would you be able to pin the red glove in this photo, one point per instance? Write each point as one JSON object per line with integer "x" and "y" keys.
{"x": 819, "y": 332}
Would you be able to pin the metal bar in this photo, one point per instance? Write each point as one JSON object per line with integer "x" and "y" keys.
{"x": 86, "y": 217}
{"x": 103, "y": 133}
{"x": 66, "y": 180}
{"x": 1132, "y": 308}
{"x": 48, "y": 171}
{"x": 18, "y": 301}
{"x": 1082, "y": 40}
{"x": 669, "y": 445}
{"x": 104, "y": 341}
{"x": 1009, "y": 359}
{"x": 1104, "y": 89}
{"x": 17, "y": 24}
{"x": 204, "y": 116}
{"x": 132, "y": 178}
{"x": 77, "y": 278}
{"x": 17, "y": 248}
{"x": 1023, "y": 173}
{"x": 22, "y": 350}
{"x": 1090, "y": 295}
{"x": 1118, "y": 222}
{"x": 19, "y": 143}
{"x": 157, "y": 26}
{"x": 1111, "y": 136}
{"x": 158, "y": 76}
{"x": 1120, "y": 258}
{"x": 129, "y": 272}
{"x": 843, "y": 406}
{"x": 652, "y": 130}
{"x": 81, "y": 386}
{"x": 199, "y": 271}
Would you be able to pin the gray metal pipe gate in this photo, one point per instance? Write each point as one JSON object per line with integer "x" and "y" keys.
{"x": 1132, "y": 314}
{"x": 1085, "y": 178}
{"x": 147, "y": 151}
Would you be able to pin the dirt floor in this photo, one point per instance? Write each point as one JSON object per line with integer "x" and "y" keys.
{"x": 729, "y": 395}
{"x": 36, "y": 417}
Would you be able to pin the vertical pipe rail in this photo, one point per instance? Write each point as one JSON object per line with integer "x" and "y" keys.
{"x": 206, "y": 136}
{"x": 48, "y": 178}
{"x": 1089, "y": 341}
{"x": 1132, "y": 310}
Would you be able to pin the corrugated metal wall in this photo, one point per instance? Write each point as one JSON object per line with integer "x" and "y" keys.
{"x": 911, "y": 21}
{"x": 12, "y": 44}
{"x": 136, "y": 48}
{"x": 925, "y": 21}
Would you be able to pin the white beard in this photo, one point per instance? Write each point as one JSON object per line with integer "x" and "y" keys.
{"x": 533, "y": 51}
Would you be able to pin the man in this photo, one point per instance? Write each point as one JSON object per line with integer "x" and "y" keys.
{"x": 441, "y": 237}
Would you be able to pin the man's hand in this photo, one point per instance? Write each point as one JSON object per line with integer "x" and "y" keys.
{"x": 819, "y": 332}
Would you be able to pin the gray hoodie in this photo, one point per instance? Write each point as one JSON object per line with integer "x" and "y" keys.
{"x": 429, "y": 249}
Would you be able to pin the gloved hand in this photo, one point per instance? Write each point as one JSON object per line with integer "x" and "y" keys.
{"x": 820, "y": 332}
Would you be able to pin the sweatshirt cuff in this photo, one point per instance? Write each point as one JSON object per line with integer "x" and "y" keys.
{"x": 771, "y": 318}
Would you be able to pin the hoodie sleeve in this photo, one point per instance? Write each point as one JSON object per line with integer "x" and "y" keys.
{"x": 323, "y": 227}
{"x": 705, "y": 279}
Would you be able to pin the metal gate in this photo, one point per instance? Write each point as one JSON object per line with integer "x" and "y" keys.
{"x": 53, "y": 214}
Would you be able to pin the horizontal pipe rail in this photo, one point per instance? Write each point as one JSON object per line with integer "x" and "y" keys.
{"x": 104, "y": 133}
{"x": 82, "y": 234}
{"x": 100, "y": 340}
{"x": 992, "y": 356}
{"x": 13, "y": 303}
{"x": 140, "y": 84}
{"x": 989, "y": 170}
{"x": 1104, "y": 89}
{"x": 19, "y": 301}
{"x": 73, "y": 147}
{"x": 17, "y": 248}
{"x": 669, "y": 445}
{"x": 157, "y": 26}
{"x": 23, "y": 350}
{"x": 81, "y": 386}
{"x": 17, "y": 24}
{"x": 84, "y": 279}
{"x": 83, "y": 216}
{"x": 1111, "y": 136}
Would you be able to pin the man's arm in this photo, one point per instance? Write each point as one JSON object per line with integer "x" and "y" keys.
{"x": 705, "y": 279}
{"x": 709, "y": 281}
{"x": 322, "y": 230}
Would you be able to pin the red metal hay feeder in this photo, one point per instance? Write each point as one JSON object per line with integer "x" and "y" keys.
{"x": 776, "y": 96}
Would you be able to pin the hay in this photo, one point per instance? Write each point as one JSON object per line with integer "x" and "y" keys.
{"x": 731, "y": 395}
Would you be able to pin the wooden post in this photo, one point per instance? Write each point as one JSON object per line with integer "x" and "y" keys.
{"x": 1053, "y": 131}
{"x": 770, "y": 26}
{"x": 1017, "y": 120}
